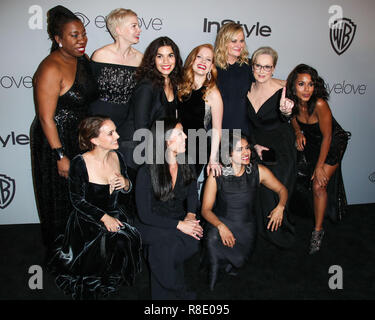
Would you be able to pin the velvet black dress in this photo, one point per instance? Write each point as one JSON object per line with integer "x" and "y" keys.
{"x": 234, "y": 83}
{"x": 91, "y": 262}
{"x": 167, "y": 248}
{"x": 271, "y": 129}
{"x": 51, "y": 190}
{"x": 307, "y": 159}
{"x": 234, "y": 206}
{"x": 195, "y": 114}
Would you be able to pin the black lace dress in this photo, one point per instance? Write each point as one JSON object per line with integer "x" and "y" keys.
{"x": 195, "y": 114}
{"x": 51, "y": 190}
{"x": 234, "y": 206}
{"x": 302, "y": 196}
{"x": 272, "y": 130}
{"x": 90, "y": 262}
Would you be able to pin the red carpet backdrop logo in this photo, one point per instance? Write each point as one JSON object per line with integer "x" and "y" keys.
{"x": 7, "y": 190}
{"x": 341, "y": 34}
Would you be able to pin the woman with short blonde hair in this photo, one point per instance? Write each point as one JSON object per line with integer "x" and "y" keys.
{"x": 116, "y": 17}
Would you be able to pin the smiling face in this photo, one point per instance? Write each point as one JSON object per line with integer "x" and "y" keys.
{"x": 129, "y": 29}
{"x": 73, "y": 38}
{"x": 108, "y": 136}
{"x": 304, "y": 87}
{"x": 165, "y": 60}
{"x": 235, "y": 47}
{"x": 241, "y": 153}
{"x": 203, "y": 61}
{"x": 263, "y": 68}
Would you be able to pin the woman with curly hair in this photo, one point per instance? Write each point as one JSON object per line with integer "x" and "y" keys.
{"x": 234, "y": 75}
{"x": 201, "y": 106}
{"x": 155, "y": 95}
{"x": 322, "y": 142}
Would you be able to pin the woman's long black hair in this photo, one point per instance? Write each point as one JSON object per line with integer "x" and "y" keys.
{"x": 148, "y": 70}
{"x": 161, "y": 178}
{"x": 57, "y": 17}
{"x": 320, "y": 90}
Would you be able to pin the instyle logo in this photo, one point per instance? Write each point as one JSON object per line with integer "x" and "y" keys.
{"x": 7, "y": 190}
{"x": 256, "y": 29}
{"x": 346, "y": 87}
{"x": 149, "y": 23}
{"x": 372, "y": 177}
{"x": 341, "y": 34}
{"x": 13, "y": 139}
{"x": 17, "y": 82}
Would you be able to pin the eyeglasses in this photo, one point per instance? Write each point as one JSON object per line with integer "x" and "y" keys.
{"x": 259, "y": 67}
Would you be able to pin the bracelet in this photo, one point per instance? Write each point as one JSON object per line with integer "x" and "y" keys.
{"x": 58, "y": 153}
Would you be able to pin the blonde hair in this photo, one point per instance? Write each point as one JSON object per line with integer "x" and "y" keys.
{"x": 187, "y": 83}
{"x": 226, "y": 33}
{"x": 265, "y": 50}
{"x": 116, "y": 17}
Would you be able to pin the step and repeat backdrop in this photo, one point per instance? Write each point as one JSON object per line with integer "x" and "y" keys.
{"x": 335, "y": 37}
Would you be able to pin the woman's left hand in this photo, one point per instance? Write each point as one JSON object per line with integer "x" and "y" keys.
{"x": 276, "y": 218}
{"x": 119, "y": 182}
{"x": 286, "y": 105}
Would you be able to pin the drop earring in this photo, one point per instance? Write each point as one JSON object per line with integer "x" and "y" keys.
{"x": 209, "y": 76}
{"x": 60, "y": 45}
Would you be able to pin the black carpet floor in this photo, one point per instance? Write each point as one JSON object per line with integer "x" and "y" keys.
{"x": 270, "y": 274}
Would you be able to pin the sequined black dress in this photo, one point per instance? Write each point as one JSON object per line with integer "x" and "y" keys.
{"x": 272, "y": 130}
{"x": 234, "y": 206}
{"x": 195, "y": 114}
{"x": 115, "y": 84}
{"x": 307, "y": 159}
{"x": 90, "y": 262}
{"x": 51, "y": 190}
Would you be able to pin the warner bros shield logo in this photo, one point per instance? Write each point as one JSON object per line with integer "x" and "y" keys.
{"x": 7, "y": 190}
{"x": 341, "y": 34}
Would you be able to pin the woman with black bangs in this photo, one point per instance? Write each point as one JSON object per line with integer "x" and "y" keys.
{"x": 155, "y": 95}
{"x": 322, "y": 143}
{"x": 166, "y": 197}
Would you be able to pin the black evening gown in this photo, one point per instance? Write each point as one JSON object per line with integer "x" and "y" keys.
{"x": 272, "y": 130}
{"x": 195, "y": 114}
{"x": 234, "y": 83}
{"x": 307, "y": 159}
{"x": 51, "y": 190}
{"x": 234, "y": 206}
{"x": 167, "y": 248}
{"x": 90, "y": 262}
{"x": 147, "y": 104}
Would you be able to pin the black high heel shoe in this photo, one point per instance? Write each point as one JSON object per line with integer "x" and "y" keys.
{"x": 316, "y": 241}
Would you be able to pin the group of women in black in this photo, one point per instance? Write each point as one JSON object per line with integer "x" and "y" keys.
{"x": 101, "y": 206}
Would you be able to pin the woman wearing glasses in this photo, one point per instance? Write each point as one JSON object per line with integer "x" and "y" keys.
{"x": 273, "y": 139}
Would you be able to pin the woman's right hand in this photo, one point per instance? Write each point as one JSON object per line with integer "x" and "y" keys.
{"x": 226, "y": 235}
{"x": 111, "y": 224}
{"x": 63, "y": 166}
{"x": 300, "y": 141}
{"x": 191, "y": 227}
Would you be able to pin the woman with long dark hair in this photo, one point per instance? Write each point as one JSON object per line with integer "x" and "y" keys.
{"x": 155, "y": 95}
{"x": 63, "y": 88}
{"x": 166, "y": 198}
{"x": 321, "y": 142}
